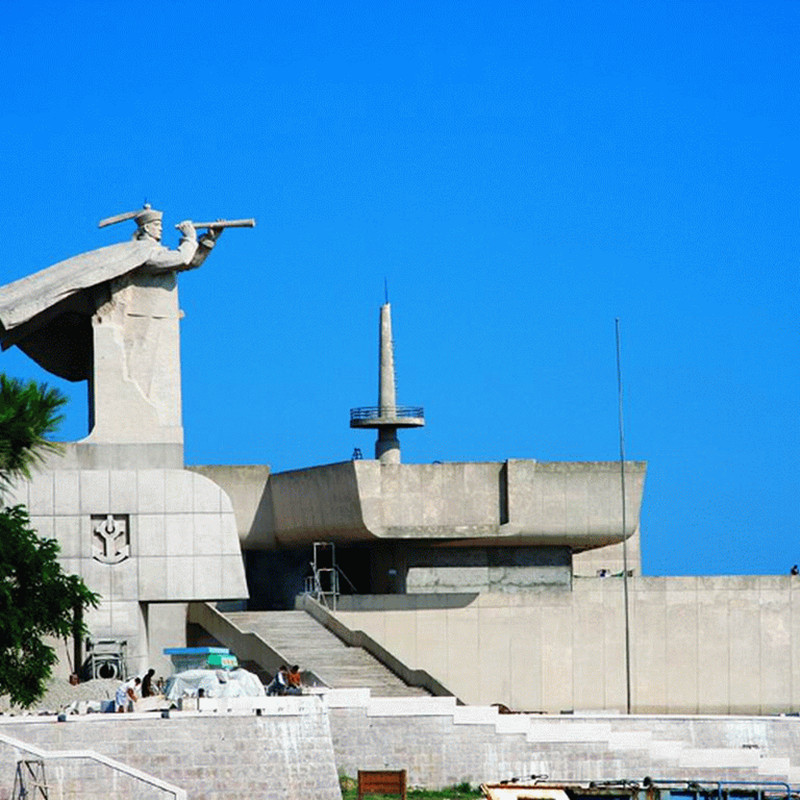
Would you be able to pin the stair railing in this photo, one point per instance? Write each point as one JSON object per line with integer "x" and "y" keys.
{"x": 97, "y": 758}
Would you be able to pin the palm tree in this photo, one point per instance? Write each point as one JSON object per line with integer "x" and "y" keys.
{"x": 37, "y": 598}
{"x": 29, "y": 412}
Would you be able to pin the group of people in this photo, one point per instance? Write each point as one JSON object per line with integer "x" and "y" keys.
{"x": 286, "y": 681}
{"x": 131, "y": 690}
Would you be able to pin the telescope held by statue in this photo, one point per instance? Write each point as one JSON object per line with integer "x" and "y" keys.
{"x": 225, "y": 223}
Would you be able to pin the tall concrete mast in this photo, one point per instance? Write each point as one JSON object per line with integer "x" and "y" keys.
{"x": 387, "y": 416}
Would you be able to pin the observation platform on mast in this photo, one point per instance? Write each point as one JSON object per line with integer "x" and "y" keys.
{"x": 397, "y": 417}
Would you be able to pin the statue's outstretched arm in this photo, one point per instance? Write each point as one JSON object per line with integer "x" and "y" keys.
{"x": 205, "y": 246}
{"x": 181, "y": 258}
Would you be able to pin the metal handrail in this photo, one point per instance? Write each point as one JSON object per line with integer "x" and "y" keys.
{"x": 98, "y": 758}
{"x": 376, "y": 412}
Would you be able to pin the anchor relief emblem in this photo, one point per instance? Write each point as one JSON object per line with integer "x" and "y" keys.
{"x": 110, "y": 538}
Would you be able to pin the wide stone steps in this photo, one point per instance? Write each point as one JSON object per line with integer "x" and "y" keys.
{"x": 475, "y": 742}
{"x": 302, "y": 640}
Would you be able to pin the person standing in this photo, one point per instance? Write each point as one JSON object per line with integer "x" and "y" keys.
{"x": 126, "y": 695}
{"x": 147, "y": 683}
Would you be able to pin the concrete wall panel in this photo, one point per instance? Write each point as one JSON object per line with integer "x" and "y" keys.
{"x": 794, "y": 626}
{"x": 463, "y": 644}
{"x": 744, "y": 619}
{"x": 496, "y": 653}
{"x": 775, "y": 648}
{"x": 588, "y": 646}
{"x": 557, "y": 662}
{"x": 175, "y": 539}
{"x": 401, "y": 635}
{"x": 681, "y": 665}
{"x": 122, "y": 489}
{"x": 67, "y": 493}
{"x": 714, "y": 651}
{"x": 698, "y": 645}
{"x": 431, "y": 626}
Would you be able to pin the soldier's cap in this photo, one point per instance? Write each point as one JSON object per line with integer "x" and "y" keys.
{"x": 148, "y": 214}
{"x": 142, "y": 216}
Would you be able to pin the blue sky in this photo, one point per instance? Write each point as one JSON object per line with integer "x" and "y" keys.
{"x": 520, "y": 174}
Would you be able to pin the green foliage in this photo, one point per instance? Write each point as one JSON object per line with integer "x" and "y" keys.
{"x": 28, "y": 414}
{"x": 37, "y": 598}
{"x": 463, "y": 791}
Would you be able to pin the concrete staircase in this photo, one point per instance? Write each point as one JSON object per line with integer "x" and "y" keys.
{"x": 300, "y": 639}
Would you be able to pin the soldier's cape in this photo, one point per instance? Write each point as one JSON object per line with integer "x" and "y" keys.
{"x": 48, "y": 314}
{"x": 22, "y": 300}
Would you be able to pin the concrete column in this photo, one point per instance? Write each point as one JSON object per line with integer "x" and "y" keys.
{"x": 387, "y": 392}
{"x": 387, "y": 447}
{"x": 166, "y": 627}
{"x": 136, "y": 373}
{"x": 385, "y": 418}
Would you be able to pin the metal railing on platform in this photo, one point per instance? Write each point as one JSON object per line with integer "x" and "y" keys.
{"x": 376, "y": 412}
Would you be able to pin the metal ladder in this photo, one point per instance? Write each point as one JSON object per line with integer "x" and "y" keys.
{"x": 30, "y": 782}
{"x": 323, "y": 583}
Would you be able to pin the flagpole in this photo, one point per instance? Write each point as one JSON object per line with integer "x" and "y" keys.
{"x": 624, "y": 533}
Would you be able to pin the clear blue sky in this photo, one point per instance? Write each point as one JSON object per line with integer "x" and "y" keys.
{"x": 520, "y": 173}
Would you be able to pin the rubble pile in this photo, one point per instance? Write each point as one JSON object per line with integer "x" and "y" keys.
{"x": 60, "y": 694}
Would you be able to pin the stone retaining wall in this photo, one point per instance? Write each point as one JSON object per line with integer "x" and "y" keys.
{"x": 292, "y": 748}
{"x": 441, "y": 744}
{"x": 283, "y": 753}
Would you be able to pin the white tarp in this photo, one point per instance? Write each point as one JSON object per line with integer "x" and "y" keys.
{"x": 214, "y": 683}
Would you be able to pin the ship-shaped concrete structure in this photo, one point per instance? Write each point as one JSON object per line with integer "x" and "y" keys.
{"x": 432, "y": 528}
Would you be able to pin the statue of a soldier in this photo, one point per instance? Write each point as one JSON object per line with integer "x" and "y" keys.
{"x": 111, "y": 316}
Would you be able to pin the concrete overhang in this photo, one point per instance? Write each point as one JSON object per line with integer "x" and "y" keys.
{"x": 514, "y": 502}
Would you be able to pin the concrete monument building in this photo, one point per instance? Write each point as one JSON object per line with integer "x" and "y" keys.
{"x": 499, "y": 580}
{"x": 399, "y": 528}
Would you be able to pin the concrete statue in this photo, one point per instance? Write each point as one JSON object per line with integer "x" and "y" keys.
{"x": 147, "y": 535}
{"x": 110, "y": 316}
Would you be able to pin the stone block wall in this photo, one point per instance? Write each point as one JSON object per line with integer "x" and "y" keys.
{"x": 441, "y": 744}
{"x": 76, "y": 778}
{"x": 295, "y": 747}
{"x": 284, "y": 753}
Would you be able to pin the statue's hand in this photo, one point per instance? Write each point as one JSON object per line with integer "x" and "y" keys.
{"x": 210, "y": 237}
{"x": 187, "y": 229}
